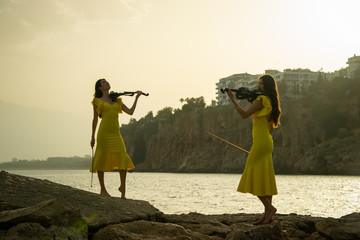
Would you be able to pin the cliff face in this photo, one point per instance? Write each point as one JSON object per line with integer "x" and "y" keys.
{"x": 318, "y": 135}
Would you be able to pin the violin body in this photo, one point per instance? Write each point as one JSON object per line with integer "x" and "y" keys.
{"x": 115, "y": 95}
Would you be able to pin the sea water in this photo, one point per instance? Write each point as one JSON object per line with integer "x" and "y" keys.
{"x": 176, "y": 193}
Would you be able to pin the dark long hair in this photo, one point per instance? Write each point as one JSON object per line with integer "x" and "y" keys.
{"x": 271, "y": 90}
{"x": 98, "y": 92}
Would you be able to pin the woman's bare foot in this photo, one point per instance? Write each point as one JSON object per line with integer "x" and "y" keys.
{"x": 104, "y": 193}
{"x": 259, "y": 221}
{"x": 122, "y": 190}
{"x": 269, "y": 216}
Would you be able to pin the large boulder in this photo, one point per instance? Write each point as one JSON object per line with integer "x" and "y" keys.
{"x": 52, "y": 219}
{"x": 47, "y": 213}
{"x": 204, "y": 224}
{"x": 148, "y": 230}
{"x": 21, "y": 192}
{"x": 27, "y": 230}
{"x": 345, "y": 228}
{"x": 247, "y": 231}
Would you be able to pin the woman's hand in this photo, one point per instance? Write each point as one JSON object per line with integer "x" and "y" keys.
{"x": 92, "y": 142}
{"x": 138, "y": 94}
{"x": 230, "y": 94}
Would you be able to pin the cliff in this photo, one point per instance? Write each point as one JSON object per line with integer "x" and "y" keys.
{"x": 317, "y": 136}
{"x": 38, "y": 209}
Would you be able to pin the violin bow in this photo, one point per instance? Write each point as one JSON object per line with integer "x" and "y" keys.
{"x": 213, "y": 135}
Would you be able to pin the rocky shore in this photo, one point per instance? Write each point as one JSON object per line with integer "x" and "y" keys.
{"x": 39, "y": 209}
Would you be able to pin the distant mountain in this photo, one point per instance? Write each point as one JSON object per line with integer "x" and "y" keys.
{"x": 33, "y": 133}
{"x": 50, "y": 163}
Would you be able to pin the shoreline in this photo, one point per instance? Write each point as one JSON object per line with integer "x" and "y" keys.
{"x": 174, "y": 172}
{"x": 50, "y": 209}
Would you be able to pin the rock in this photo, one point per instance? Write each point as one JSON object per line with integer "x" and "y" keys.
{"x": 148, "y": 230}
{"x": 292, "y": 226}
{"x": 21, "y": 192}
{"x": 230, "y": 219}
{"x": 46, "y": 210}
{"x": 47, "y": 213}
{"x": 335, "y": 156}
{"x": 33, "y": 231}
{"x": 74, "y": 233}
{"x": 347, "y": 227}
{"x": 297, "y": 227}
{"x": 248, "y": 231}
{"x": 44, "y": 221}
{"x": 204, "y": 224}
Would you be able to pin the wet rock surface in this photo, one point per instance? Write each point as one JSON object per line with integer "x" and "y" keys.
{"x": 39, "y": 209}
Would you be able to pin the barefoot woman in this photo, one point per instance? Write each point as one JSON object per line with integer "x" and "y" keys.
{"x": 258, "y": 177}
{"x": 110, "y": 150}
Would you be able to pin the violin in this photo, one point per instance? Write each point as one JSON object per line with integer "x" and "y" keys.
{"x": 244, "y": 93}
{"x": 115, "y": 95}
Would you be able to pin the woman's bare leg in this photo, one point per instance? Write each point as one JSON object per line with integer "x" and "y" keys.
{"x": 270, "y": 210}
{"x": 122, "y": 182}
{"x": 102, "y": 184}
{"x": 263, "y": 216}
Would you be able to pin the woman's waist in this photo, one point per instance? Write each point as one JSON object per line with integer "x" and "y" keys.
{"x": 260, "y": 120}
{"x": 260, "y": 127}
{"x": 109, "y": 123}
{"x": 110, "y": 116}
{"x": 261, "y": 132}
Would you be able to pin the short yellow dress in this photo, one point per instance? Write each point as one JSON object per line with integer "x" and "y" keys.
{"x": 110, "y": 152}
{"x": 258, "y": 177}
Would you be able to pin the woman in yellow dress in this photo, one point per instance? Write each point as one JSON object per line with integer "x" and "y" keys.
{"x": 258, "y": 177}
{"x": 110, "y": 152}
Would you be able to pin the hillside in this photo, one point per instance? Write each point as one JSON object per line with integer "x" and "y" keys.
{"x": 320, "y": 134}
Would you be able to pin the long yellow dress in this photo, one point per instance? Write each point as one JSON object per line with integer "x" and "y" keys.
{"x": 110, "y": 152}
{"x": 258, "y": 177}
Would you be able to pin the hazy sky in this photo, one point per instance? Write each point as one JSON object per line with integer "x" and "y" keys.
{"x": 53, "y": 51}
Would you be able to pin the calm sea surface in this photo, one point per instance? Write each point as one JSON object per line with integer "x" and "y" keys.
{"x": 175, "y": 193}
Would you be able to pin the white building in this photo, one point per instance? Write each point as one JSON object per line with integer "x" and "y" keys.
{"x": 354, "y": 66}
{"x": 234, "y": 82}
{"x": 297, "y": 80}
{"x": 347, "y": 72}
{"x": 341, "y": 73}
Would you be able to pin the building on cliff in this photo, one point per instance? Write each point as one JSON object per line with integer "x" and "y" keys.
{"x": 341, "y": 73}
{"x": 234, "y": 82}
{"x": 354, "y": 66}
{"x": 296, "y": 81}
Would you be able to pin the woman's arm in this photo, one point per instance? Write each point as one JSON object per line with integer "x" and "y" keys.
{"x": 256, "y": 106}
{"x": 132, "y": 109}
{"x": 94, "y": 124}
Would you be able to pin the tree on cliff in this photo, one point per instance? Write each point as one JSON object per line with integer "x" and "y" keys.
{"x": 165, "y": 114}
{"x": 193, "y": 104}
{"x": 333, "y": 104}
